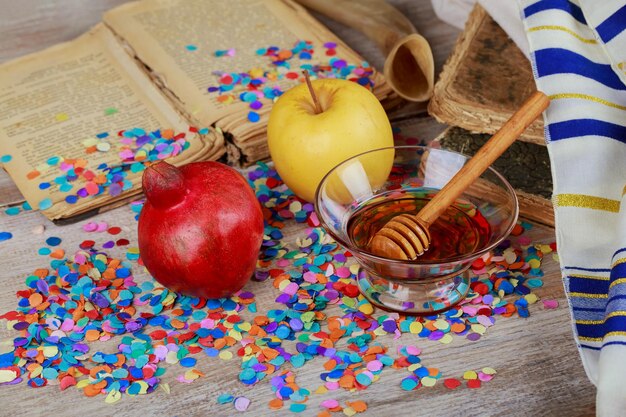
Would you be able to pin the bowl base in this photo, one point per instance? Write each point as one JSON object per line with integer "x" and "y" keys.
{"x": 416, "y": 299}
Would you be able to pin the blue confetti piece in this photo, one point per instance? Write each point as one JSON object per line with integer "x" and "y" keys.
{"x": 254, "y": 116}
{"x": 5, "y": 236}
{"x": 5, "y": 158}
{"x": 188, "y": 362}
{"x": 12, "y": 211}
{"x": 225, "y": 399}
{"x": 45, "y": 204}
{"x": 297, "y": 408}
{"x": 53, "y": 241}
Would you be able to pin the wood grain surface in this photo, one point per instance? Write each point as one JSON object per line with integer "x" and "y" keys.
{"x": 539, "y": 370}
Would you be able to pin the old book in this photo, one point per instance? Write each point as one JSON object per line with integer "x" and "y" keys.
{"x": 525, "y": 165}
{"x": 485, "y": 79}
{"x": 150, "y": 65}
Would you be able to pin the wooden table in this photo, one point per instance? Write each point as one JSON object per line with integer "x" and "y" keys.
{"x": 539, "y": 370}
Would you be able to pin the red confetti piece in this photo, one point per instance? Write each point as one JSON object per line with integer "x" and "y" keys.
{"x": 114, "y": 230}
{"x": 86, "y": 244}
{"x": 473, "y": 383}
{"x": 451, "y": 383}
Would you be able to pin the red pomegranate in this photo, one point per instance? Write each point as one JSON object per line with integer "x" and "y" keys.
{"x": 201, "y": 228}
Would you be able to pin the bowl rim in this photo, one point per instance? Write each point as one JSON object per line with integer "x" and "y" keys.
{"x": 453, "y": 259}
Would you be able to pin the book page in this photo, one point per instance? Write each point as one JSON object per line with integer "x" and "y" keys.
{"x": 55, "y": 103}
{"x": 187, "y": 44}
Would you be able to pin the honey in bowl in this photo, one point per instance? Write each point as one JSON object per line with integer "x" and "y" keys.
{"x": 460, "y": 231}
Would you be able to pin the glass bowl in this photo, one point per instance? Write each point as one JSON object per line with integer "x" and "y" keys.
{"x": 361, "y": 194}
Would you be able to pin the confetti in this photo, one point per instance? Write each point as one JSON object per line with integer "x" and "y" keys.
{"x": 45, "y": 204}
{"x": 225, "y": 52}
{"x": 285, "y": 65}
{"x": 242, "y": 403}
{"x": 5, "y": 159}
{"x": 135, "y": 149}
{"x": 61, "y": 117}
{"x": 5, "y": 236}
{"x": 88, "y": 296}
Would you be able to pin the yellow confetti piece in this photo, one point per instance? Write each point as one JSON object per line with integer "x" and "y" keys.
{"x": 165, "y": 387}
{"x": 414, "y": 366}
{"x": 245, "y": 326}
{"x": 191, "y": 375}
{"x": 90, "y": 142}
{"x": 531, "y": 298}
{"x": 144, "y": 387}
{"x": 366, "y": 308}
{"x": 489, "y": 371}
{"x": 61, "y": 117}
{"x": 478, "y": 328}
{"x": 171, "y": 357}
{"x": 428, "y": 381}
{"x": 235, "y": 335}
{"x": 534, "y": 263}
{"x": 256, "y": 72}
{"x": 380, "y": 331}
{"x": 470, "y": 375}
{"x": 321, "y": 390}
{"x": 546, "y": 249}
{"x": 225, "y": 355}
{"x": 441, "y": 324}
{"x": 416, "y": 327}
{"x": 295, "y": 206}
{"x": 103, "y": 146}
{"x": 82, "y": 383}
{"x": 354, "y": 269}
{"x": 50, "y": 351}
{"x": 113, "y": 397}
{"x": 36, "y": 372}
{"x": 446, "y": 339}
{"x": 7, "y": 375}
{"x": 349, "y": 411}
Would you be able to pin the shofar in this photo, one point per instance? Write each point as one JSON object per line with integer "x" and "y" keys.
{"x": 409, "y": 66}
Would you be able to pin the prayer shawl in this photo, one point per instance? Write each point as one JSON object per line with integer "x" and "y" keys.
{"x": 578, "y": 54}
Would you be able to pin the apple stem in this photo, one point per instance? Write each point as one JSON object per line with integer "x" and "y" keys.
{"x": 318, "y": 108}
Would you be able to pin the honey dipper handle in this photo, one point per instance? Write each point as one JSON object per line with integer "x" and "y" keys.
{"x": 486, "y": 155}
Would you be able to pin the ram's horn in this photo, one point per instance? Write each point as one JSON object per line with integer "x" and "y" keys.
{"x": 409, "y": 66}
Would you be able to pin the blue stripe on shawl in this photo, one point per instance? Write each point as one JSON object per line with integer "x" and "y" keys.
{"x": 613, "y": 342}
{"x": 593, "y": 310}
{"x": 564, "y": 5}
{"x": 579, "y": 268}
{"x": 583, "y": 127}
{"x": 589, "y": 286}
{"x": 592, "y": 330}
{"x": 550, "y": 61}
{"x": 591, "y": 347}
{"x": 618, "y": 271}
{"x": 613, "y": 25}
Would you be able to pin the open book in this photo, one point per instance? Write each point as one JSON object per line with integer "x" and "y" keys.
{"x": 185, "y": 80}
{"x": 485, "y": 79}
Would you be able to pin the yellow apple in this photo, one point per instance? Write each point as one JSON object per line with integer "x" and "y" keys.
{"x": 305, "y": 145}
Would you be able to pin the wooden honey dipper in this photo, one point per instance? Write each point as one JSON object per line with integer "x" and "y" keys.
{"x": 406, "y": 236}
